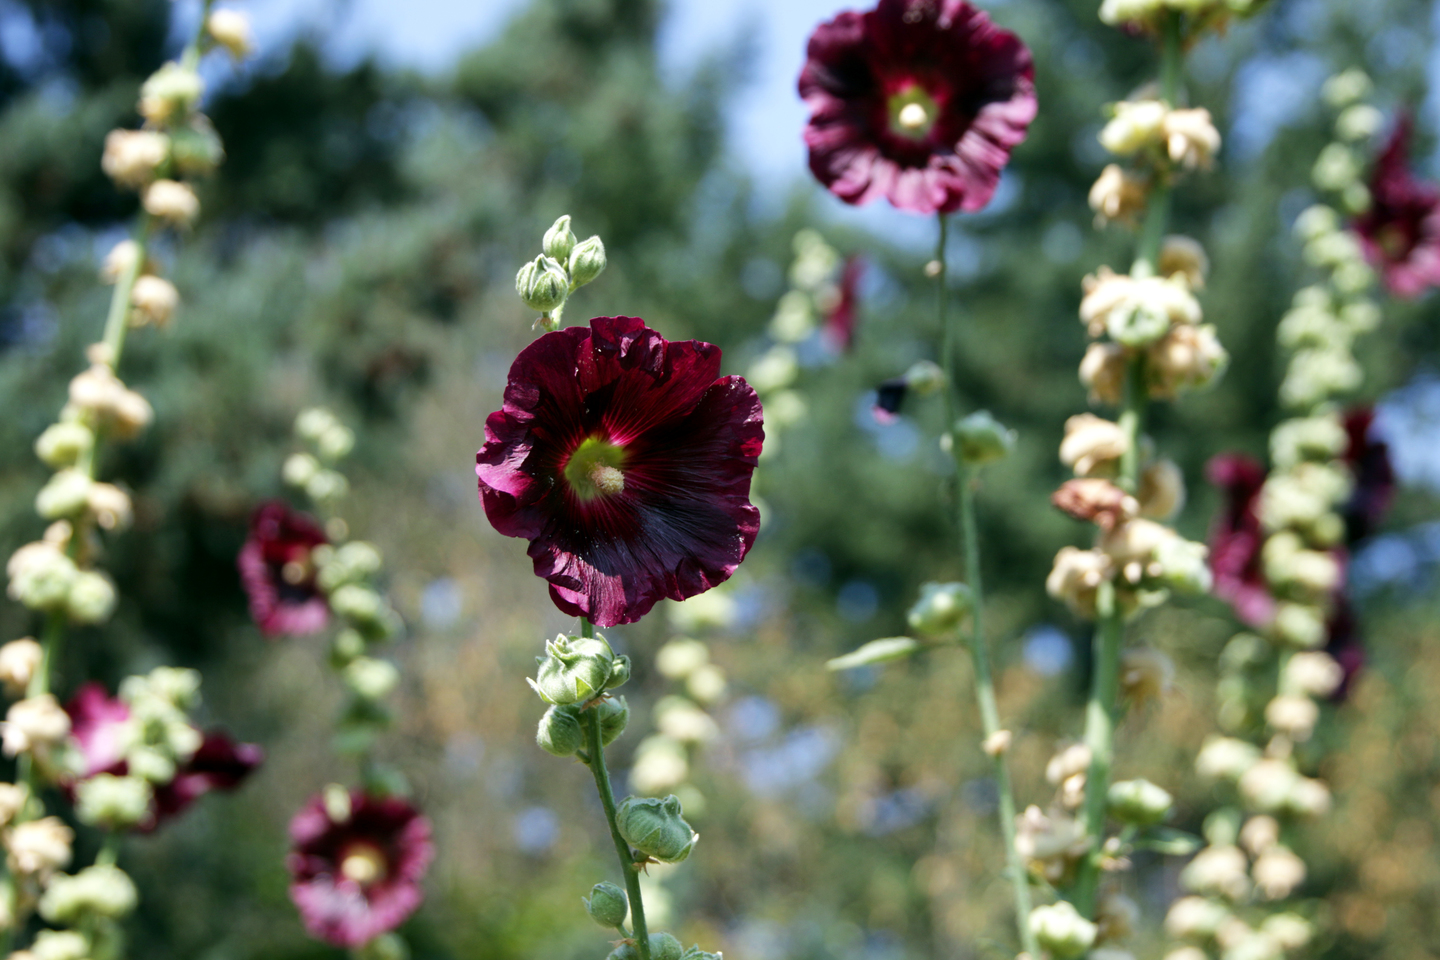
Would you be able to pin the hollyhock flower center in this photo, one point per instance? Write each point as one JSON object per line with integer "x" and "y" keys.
{"x": 298, "y": 569}
{"x": 913, "y": 112}
{"x": 1395, "y": 240}
{"x": 595, "y": 469}
{"x": 363, "y": 863}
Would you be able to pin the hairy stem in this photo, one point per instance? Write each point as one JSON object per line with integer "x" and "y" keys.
{"x": 591, "y": 719}
{"x": 1103, "y": 705}
{"x": 979, "y": 651}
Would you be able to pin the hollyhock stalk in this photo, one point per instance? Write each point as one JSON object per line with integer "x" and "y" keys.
{"x": 1102, "y": 707}
{"x": 967, "y": 477}
{"x": 596, "y": 761}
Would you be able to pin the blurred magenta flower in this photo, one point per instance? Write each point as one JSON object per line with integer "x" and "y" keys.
{"x": 277, "y": 573}
{"x": 918, "y": 101}
{"x": 625, "y": 460}
{"x": 1368, "y": 458}
{"x": 840, "y": 319}
{"x": 1236, "y": 537}
{"x": 1400, "y": 233}
{"x": 357, "y": 871}
{"x": 98, "y": 726}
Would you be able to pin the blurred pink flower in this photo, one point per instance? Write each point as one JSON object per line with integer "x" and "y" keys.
{"x": 1400, "y": 233}
{"x": 277, "y": 573}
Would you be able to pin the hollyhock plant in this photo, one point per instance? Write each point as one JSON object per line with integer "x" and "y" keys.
{"x": 98, "y": 724}
{"x": 1236, "y": 537}
{"x": 356, "y": 870}
{"x": 1368, "y": 458}
{"x": 917, "y": 101}
{"x": 1400, "y": 233}
{"x": 626, "y": 461}
{"x": 278, "y": 575}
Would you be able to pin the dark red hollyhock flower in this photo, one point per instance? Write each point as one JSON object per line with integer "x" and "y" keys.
{"x": 97, "y": 723}
{"x": 1236, "y": 537}
{"x": 840, "y": 321}
{"x": 1400, "y": 233}
{"x": 1345, "y": 645}
{"x": 1369, "y": 460}
{"x": 918, "y": 101}
{"x": 277, "y": 574}
{"x": 358, "y": 876}
{"x": 889, "y": 398}
{"x": 625, "y": 460}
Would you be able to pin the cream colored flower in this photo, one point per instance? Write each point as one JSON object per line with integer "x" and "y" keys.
{"x": 1188, "y": 357}
{"x": 1162, "y": 490}
{"x": 39, "y": 847}
{"x": 110, "y": 506}
{"x": 1145, "y": 674}
{"x": 155, "y": 300}
{"x": 1312, "y": 672}
{"x": 1277, "y": 872}
{"x": 1102, "y": 372}
{"x": 34, "y": 724}
{"x": 18, "y": 660}
{"x": 132, "y": 156}
{"x": 1118, "y": 196}
{"x": 1217, "y": 871}
{"x": 172, "y": 201}
{"x": 1092, "y": 445}
{"x": 1136, "y": 125}
{"x": 1076, "y": 577}
{"x": 1292, "y": 714}
{"x": 1191, "y": 139}
{"x": 231, "y": 29}
{"x": 1184, "y": 257}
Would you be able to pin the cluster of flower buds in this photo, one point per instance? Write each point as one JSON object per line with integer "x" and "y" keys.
{"x": 566, "y": 265}
{"x": 576, "y": 677}
{"x": 682, "y": 721}
{"x": 1287, "y": 584}
{"x": 328, "y": 441}
{"x": 1203, "y": 15}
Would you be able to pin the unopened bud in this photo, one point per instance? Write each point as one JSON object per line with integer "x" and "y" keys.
{"x": 607, "y": 905}
{"x": 154, "y": 299}
{"x": 981, "y": 439}
{"x": 998, "y": 743}
{"x": 1139, "y": 802}
{"x": 940, "y": 609}
{"x": 230, "y": 29}
{"x": 371, "y": 679}
{"x": 132, "y": 157}
{"x": 299, "y": 469}
{"x": 196, "y": 149}
{"x": 102, "y": 890}
{"x": 172, "y": 201}
{"x": 64, "y": 495}
{"x": 560, "y": 734}
{"x": 574, "y": 669}
{"x": 1061, "y": 930}
{"x": 664, "y": 946}
{"x": 587, "y": 261}
{"x": 559, "y": 241}
{"x": 18, "y": 662}
{"x": 542, "y": 284}
{"x": 170, "y": 93}
{"x": 656, "y": 828}
{"x": 92, "y": 598}
{"x": 1345, "y": 88}
{"x": 34, "y": 724}
{"x": 61, "y": 945}
{"x": 614, "y": 715}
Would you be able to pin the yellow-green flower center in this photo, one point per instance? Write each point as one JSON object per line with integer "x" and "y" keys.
{"x": 596, "y": 469}
{"x": 913, "y": 113}
{"x": 363, "y": 863}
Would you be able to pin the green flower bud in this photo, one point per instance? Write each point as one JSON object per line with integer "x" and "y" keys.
{"x": 575, "y": 669}
{"x": 387, "y": 946}
{"x": 196, "y": 150}
{"x": 559, "y": 241}
{"x": 150, "y": 764}
{"x": 336, "y": 442}
{"x": 64, "y": 496}
{"x": 940, "y": 608}
{"x": 695, "y": 953}
{"x": 560, "y": 732}
{"x": 1345, "y": 88}
{"x": 327, "y": 486}
{"x": 626, "y": 951}
{"x": 1299, "y": 625}
{"x": 663, "y": 946}
{"x": 299, "y": 469}
{"x": 117, "y": 803}
{"x": 1139, "y": 802}
{"x": 1061, "y": 930}
{"x": 614, "y": 714}
{"x": 542, "y": 284}
{"x": 619, "y": 673}
{"x": 60, "y": 945}
{"x": 347, "y": 645}
{"x": 1336, "y": 168}
{"x": 92, "y": 598}
{"x": 41, "y": 576}
{"x": 170, "y": 92}
{"x": 95, "y": 891}
{"x": 371, "y": 679}
{"x": 1182, "y": 565}
{"x": 924, "y": 377}
{"x": 607, "y": 905}
{"x": 981, "y": 439}
{"x": 351, "y": 563}
{"x": 63, "y": 443}
{"x": 359, "y": 604}
{"x": 1137, "y": 323}
{"x": 314, "y": 421}
{"x": 587, "y": 261}
{"x": 655, "y": 828}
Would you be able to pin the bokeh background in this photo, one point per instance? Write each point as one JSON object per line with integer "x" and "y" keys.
{"x": 390, "y": 165}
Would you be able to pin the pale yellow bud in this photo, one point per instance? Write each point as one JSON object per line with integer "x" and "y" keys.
{"x": 39, "y": 847}
{"x": 231, "y": 29}
{"x": 1191, "y": 139}
{"x": 1184, "y": 257}
{"x": 18, "y": 662}
{"x": 155, "y": 300}
{"x": 1135, "y": 126}
{"x": 1076, "y": 577}
{"x": 1092, "y": 446}
{"x": 35, "y": 723}
{"x": 1118, "y": 196}
{"x": 132, "y": 157}
{"x": 172, "y": 201}
{"x": 1102, "y": 371}
{"x": 1162, "y": 490}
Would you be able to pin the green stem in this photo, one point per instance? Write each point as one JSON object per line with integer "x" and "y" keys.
{"x": 1103, "y": 705}
{"x": 587, "y": 629}
{"x": 591, "y": 719}
{"x": 110, "y": 849}
{"x": 990, "y": 716}
{"x": 979, "y": 651}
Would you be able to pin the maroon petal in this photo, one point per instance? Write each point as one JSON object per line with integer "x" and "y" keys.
{"x": 219, "y": 764}
{"x": 1236, "y": 537}
{"x": 281, "y": 536}
{"x": 683, "y": 521}
{"x": 338, "y": 909}
{"x": 1369, "y": 460}
{"x": 1400, "y": 233}
{"x": 977, "y": 78}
